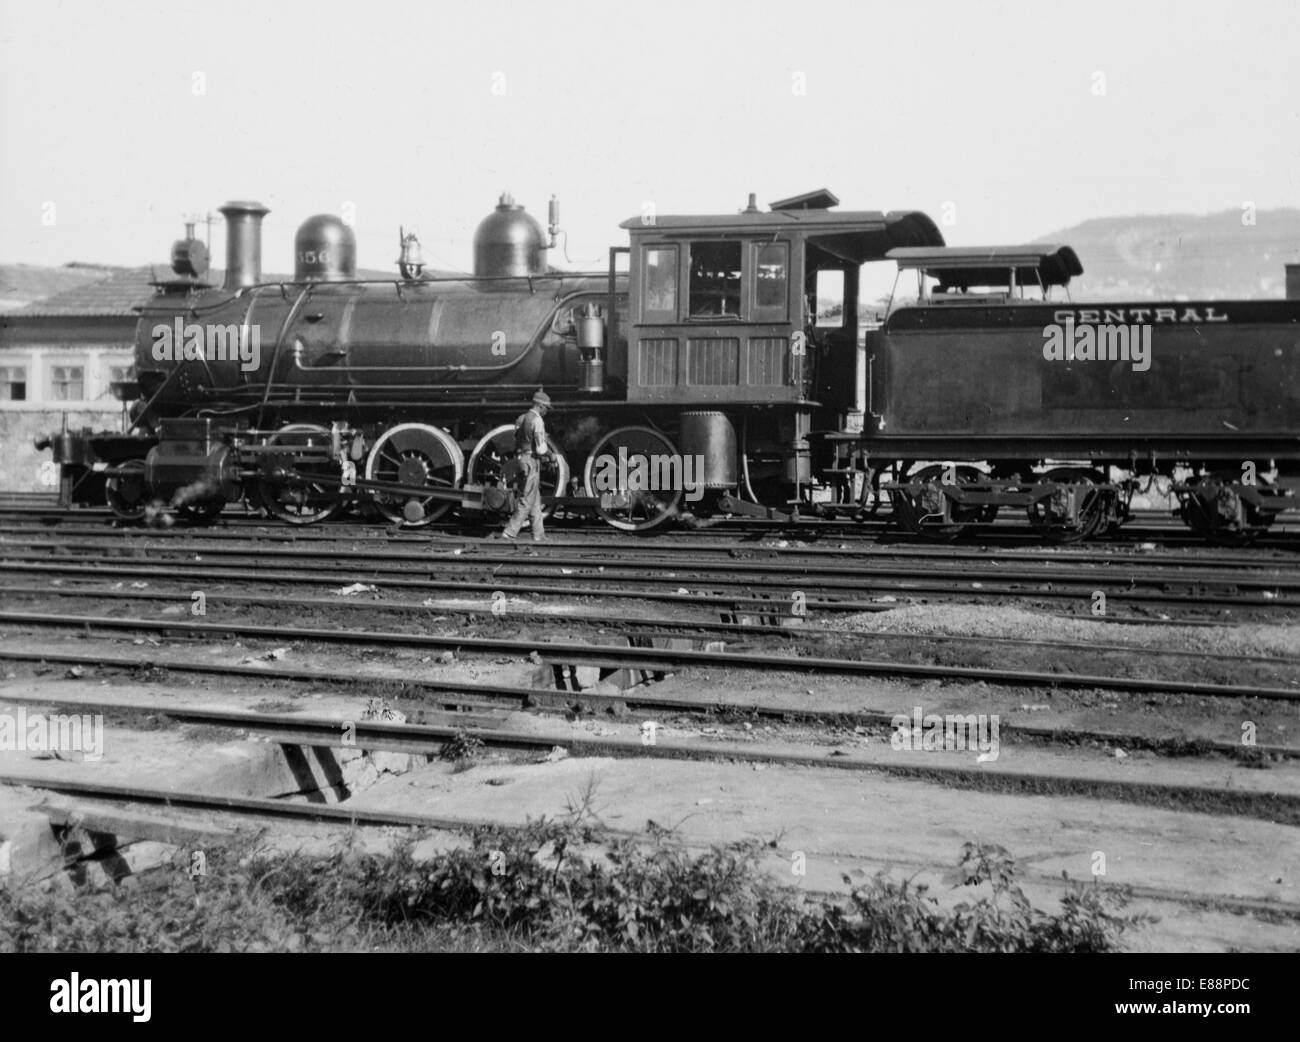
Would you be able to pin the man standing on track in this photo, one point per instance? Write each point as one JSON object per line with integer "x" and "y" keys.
{"x": 530, "y": 446}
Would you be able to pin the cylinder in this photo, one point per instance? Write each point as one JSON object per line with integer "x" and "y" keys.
{"x": 324, "y": 250}
{"x": 593, "y": 373}
{"x": 591, "y": 330}
{"x": 711, "y": 438}
{"x": 243, "y": 243}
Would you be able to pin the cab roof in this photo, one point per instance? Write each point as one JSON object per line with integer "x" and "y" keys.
{"x": 856, "y": 236}
{"x": 988, "y": 265}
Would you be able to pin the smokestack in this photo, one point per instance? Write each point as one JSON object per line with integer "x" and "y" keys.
{"x": 1293, "y": 282}
{"x": 243, "y": 243}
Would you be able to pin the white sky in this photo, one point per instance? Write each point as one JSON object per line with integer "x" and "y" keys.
{"x": 691, "y": 105}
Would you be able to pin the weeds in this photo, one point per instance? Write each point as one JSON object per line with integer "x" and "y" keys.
{"x": 567, "y": 885}
{"x": 463, "y": 747}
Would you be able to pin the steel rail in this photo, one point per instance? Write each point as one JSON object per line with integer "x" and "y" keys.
{"x": 636, "y": 700}
{"x": 1282, "y": 538}
{"x": 646, "y": 588}
{"x": 389, "y": 736}
{"x": 435, "y": 542}
{"x": 1157, "y": 521}
{"x": 424, "y": 739}
{"x": 420, "y": 608}
{"x": 724, "y": 601}
{"x": 625, "y": 565}
{"x": 656, "y": 659}
{"x": 665, "y": 623}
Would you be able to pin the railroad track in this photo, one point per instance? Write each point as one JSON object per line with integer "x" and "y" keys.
{"x": 836, "y": 578}
{"x": 676, "y": 624}
{"x": 772, "y": 547}
{"x": 1154, "y": 525}
{"x": 759, "y": 561}
{"x": 472, "y": 706}
{"x": 1002, "y": 777}
{"x": 833, "y": 582}
{"x": 650, "y": 659}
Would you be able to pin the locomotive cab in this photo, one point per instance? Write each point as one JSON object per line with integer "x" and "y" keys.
{"x": 754, "y": 317}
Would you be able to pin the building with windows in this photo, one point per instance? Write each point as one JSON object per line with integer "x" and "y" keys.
{"x": 59, "y": 357}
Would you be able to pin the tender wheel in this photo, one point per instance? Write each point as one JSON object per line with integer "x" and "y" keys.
{"x": 929, "y": 513}
{"x": 487, "y": 463}
{"x": 1047, "y": 515}
{"x": 293, "y": 500}
{"x": 415, "y": 454}
{"x": 126, "y": 493}
{"x": 1217, "y": 513}
{"x": 632, "y": 503}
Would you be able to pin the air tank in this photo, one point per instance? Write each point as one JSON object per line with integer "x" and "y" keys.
{"x": 509, "y": 242}
{"x": 324, "y": 250}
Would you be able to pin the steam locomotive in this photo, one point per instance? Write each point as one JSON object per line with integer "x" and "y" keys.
{"x": 731, "y": 363}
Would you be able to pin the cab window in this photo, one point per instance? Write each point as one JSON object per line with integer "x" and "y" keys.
{"x": 715, "y": 280}
{"x": 771, "y": 282}
{"x": 659, "y": 268}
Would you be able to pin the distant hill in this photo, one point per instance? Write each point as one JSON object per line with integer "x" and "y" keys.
{"x": 1183, "y": 256}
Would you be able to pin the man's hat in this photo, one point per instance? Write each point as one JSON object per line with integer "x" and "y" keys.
{"x": 542, "y": 398}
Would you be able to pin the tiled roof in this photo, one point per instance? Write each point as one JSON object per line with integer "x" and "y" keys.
{"x": 113, "y": 296}
{"x": 22, "y": 284}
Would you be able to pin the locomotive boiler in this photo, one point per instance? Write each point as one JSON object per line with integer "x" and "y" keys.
{"x": 728, "y": 361}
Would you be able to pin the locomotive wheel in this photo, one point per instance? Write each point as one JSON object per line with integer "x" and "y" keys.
{"x": 639, "y": 509}
{"x": 1093, "y": 514}
{"x": 497, "y": 448}
{"x": 126, "y": 493}
{"x": 302, "y": 502}
{"x": 415, "y": 454}
{"x": 923, "y": 515}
